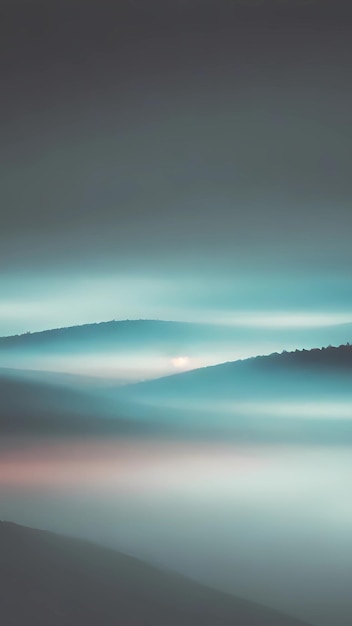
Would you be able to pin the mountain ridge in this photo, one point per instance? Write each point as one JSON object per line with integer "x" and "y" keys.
{"x": 239, "y": 398}
{"x": 325, "y": 357}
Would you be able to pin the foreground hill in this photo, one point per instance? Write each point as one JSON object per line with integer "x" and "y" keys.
{"x": 46, "y": 579}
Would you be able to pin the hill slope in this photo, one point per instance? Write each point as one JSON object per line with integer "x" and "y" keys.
{"x": 47, "y": 580}
{"x": 272, "y": 374}
{"x": 112, "y": 335}
{"x": 35, "y": 405}
{"x": 300, "y": 396}
{"x": 164, "y": 337}
{"x": 260, "y": 399}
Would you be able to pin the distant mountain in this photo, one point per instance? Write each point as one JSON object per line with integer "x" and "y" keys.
{"x": 106, "y": 346}
{"x": 304, "y": 396}
{"x": 125, "y": 350}
{"x": 112, "y": 335}
{"x": 330, "y": 361}
{"x": 33, "y": 405}
{"x": 139, "y": 334}
{"x": 270, "y": 374}
{"x": 49, "y": 580}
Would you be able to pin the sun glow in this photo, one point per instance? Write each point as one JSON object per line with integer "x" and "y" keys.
{"x": 181, "y": 362}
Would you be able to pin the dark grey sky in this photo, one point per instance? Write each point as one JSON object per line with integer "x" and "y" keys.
{"x": 175, "y": 128}
{"x": 175, "y": 137}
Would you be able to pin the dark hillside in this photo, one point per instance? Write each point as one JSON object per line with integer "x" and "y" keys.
{"x": 48, "y": 580}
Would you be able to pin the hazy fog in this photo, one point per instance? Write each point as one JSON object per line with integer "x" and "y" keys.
{"x": 271, "y": 523}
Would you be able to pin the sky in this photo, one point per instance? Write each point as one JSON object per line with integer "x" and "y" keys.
{"x": 174, "y": 160}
